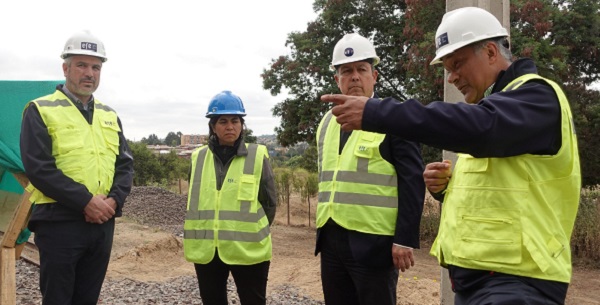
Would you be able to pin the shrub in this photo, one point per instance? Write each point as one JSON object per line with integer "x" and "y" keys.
{"x": 585, "y": 241}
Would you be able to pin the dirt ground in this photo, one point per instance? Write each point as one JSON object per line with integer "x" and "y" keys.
{"x": 149, "y": 254}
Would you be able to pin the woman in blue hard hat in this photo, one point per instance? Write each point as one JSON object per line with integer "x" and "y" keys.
{"x": 231, "y": 205}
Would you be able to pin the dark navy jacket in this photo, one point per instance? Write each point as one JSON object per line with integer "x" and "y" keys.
{"x": 503, "y": 124}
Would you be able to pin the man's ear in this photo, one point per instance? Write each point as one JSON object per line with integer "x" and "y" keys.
{"x": 65, "y": 67}
{"x": 492, "y": 51}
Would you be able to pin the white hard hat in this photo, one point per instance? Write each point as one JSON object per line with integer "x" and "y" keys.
{"x": 353, "y": 47}
{"x": 462, "y": 27}
{"x": 84, "y": 43}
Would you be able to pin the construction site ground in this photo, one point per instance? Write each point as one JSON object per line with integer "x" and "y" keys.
{"x": 150, "y": 254}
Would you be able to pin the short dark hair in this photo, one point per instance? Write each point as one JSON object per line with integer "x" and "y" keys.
{"x": 369, "y": 60}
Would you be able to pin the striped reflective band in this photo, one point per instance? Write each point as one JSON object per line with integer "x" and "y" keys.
{"x": 250, "y": 159}
{"x": 103, "y": 107}
{"x": 509, "y": 88}
{"x": 360, "y": 199}
{"x": 244, "y": 215}
{"x": 195, "y": 190}
{"x": 228, "y": 235}
{"x": 57, "y": 103}
{"x": 361, "y": 175}
{"x": 322, "y": 139}
{"x": 66, "y": 103}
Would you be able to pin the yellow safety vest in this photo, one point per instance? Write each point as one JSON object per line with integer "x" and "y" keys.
{"x": 230, "y": 220}
{"x": 514, "y": 215}
{"x": 358, "y": 189}
{"x": 85, "y": 153}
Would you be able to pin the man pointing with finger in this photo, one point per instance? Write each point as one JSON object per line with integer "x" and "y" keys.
{"x": 510, "y": 204}
{"x": 371, "y": 194}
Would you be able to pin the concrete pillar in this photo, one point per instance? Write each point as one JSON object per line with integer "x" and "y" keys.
{"x": 500, "y": 9}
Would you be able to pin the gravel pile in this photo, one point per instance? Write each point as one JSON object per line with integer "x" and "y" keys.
{"x": 154, "y": 207}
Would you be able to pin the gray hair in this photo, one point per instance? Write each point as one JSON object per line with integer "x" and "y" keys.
{"x": 500, "y": 42}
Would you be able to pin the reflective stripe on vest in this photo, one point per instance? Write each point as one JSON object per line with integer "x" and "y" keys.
{"x": 231, "y": 219}
{"x": 514, "y": 215}
{"x": 85, "y": 153}
{"x": 358, "y": 188}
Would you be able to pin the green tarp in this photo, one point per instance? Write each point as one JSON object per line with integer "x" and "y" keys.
{"x": 13, "y": 97}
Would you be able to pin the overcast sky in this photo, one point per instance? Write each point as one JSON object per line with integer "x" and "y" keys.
{"x": 166, "y": 59}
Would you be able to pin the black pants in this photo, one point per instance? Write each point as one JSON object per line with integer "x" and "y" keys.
{"x": 250, "y": 280}
{"x": 74, "y": 256}
{"x": 506, "y": 289}
{"x": 347, "y": 282}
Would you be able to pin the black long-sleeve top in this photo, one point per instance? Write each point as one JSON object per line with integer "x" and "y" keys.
{"x": 503, "y": 124}
{"x": 40, "y": 167}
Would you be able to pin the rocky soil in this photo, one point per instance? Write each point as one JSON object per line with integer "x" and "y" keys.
{"x": 161, "y": 209}
{"x": 147, "y": 264}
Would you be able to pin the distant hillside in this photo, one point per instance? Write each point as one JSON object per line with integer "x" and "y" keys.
{"x": 267, "y": 139}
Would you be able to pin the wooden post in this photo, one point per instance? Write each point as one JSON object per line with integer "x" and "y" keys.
{"x": 17, "y": 224}
{"x": 10, "y": 251}
{"x": 8, "y": 283}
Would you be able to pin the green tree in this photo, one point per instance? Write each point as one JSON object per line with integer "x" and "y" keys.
{"x": 151, "y": 140}
{"x": 576, "y": 27}
{"x": 307, "y": 185}
{"x": 284, "y": 181}
{"x": 173, "y": 139}
{"x": 146, "y": 167}
{"x": 305, "y": 72}
{"x": 308, "y": 159}
{"x": 294, "y": 162}
{"x": 248, "y": 137}
{"x": 586, "y": 112}
{"x": 561, "y": 36}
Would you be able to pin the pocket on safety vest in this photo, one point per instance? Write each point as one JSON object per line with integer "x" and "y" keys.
{"x": 110, "y": 132}
{"x": 367, "y": 145}
{"x": 489, "y": 235}
{"x": 247, "y": 188}
{"x": 542, "y": 254}
{"x": 65, "y": 138}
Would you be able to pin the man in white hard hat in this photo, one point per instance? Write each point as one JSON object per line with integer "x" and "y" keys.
{"x": 80, "y": 171}
{"x": 371, "y": 194}
{"x": 509, "y": 204}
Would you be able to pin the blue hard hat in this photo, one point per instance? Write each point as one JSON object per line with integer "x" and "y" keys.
{"x": 225, "y": 103}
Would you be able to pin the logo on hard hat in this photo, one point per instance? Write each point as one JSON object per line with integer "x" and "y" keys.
{"x": 441, "y": 40}
{"x": 349, "y": 52}
{"x": 89, "y": 46}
